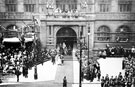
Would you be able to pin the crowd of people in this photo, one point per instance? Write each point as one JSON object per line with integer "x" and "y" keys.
{"x": 128, "y": 65}
{"x": 90, "y": 68}
{"x": 17, "y": 60}
{"x": 116, "y": 51}
{"x": 117, "y": 81}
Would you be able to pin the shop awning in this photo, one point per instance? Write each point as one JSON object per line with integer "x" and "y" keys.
{"x": 16, "y": 40}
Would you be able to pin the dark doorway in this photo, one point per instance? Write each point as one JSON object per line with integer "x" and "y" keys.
{"x": 66, "y": 35}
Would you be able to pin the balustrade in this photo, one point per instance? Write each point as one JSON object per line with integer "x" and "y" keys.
{"x": 115, "y": 16}
{"x": 74, "y": 16}
{"x": 14, "y": 15}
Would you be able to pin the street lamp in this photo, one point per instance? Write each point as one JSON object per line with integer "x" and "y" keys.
{"x": 88, "y": 42}
{"x": 36, "y": 34}
{"x": 80, "y": 60}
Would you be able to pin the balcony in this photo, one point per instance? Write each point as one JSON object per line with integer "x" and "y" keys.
{"x": 15, "y": 15}
{"x": 115, "y": 16}
{"x": 65, "y": 16}
{"x": 69, "y": 16}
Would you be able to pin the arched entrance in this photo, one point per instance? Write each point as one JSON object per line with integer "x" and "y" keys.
{"x": 66, "y": 35}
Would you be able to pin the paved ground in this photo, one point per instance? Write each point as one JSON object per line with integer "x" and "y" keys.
{"x": 65, "y": 70}
{"x": 50, "y": 75}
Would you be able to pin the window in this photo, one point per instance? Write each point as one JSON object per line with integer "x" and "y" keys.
{"x": 11, "y": 31}
{"x": 125, "y": 6}
{"x": 123, "y": 34}
{"x": 29, "y": 5}
{"x": 50, "y": 30}
{"x": 66, "y": 5}
{"x": 103, "y": 33}
{"x": 11, "y": 5}
{"x": 104, "y": 5}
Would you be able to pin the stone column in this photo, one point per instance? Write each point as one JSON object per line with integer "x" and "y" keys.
{"x": 43, "y": 32}
{"x": 47, "y": 31}
{"x": 84, "y": 33}
{"x": 91, "y": 35}
{"x": 79, "y": 30}
{"x": 52, "y": 36}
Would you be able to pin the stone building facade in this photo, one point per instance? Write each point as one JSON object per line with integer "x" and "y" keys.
{"x": 108, "y": 21}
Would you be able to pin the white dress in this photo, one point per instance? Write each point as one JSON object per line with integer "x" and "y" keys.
{"x": 58, "y": 59}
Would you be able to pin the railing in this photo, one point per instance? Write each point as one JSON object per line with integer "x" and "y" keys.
{"x": 115, "y": 16}
{"x": 16, "y": 15}
{"x": 65, "y": 16}
{"x": 68, "y": 16}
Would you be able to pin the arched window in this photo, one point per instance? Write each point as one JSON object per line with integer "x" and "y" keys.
{"x": 12, "y": 31}
{"x": 32, "y": 28}
{"x": 28, "y": 28}
{"x": 123, "y": 34}
{"x": 2, "y": 30}
{"x": 12, "y": 27}
{"x": 103, "y": 33}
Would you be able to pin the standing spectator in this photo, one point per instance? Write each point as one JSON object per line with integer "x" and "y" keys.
{"x": 102, "y": 81}
{"x": 123, "y": 82}
{"x": 98, "y": 67}
{"x": 122, "y": 51}
{"x": 104, "y": 54}
{"x": 116, "y": 81}
{"x": 134, "y": 82}
{"x": 0, "y": 81}
{"x": 64, "y": 82}
{"x": 82, "y": 74}
{"x": 99, "y": 75}
{"x": 17, "y": 73}
{"x": 106, "y": 77}
{"x": 129, "y": 82}
{"x": 120, "y": 76}
{"x": 123, "y": 64}
{"x": 62, "y": 59}
{"x": 111, "y": 82}
{"x": 133, "y": 51}
{"x": 112, "y": 51}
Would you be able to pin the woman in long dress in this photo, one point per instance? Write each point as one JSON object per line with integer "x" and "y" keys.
{"x": 58, "y": 59}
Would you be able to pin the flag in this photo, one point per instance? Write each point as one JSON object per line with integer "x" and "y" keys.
{"x": 35, "y": 20}
{"x": 83, "y": 4}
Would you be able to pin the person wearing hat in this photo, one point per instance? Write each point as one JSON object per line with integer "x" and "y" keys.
{"x": 64, "y": 82}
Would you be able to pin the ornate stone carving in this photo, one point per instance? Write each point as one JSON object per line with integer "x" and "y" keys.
{"x": 50, "y": 4}
{"x": 83, "y": 4}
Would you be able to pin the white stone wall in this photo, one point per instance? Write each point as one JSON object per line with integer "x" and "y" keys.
{"x": 2, "y": 6}
{"x": 113, "y": 23}
{"x": 20, "y": 6}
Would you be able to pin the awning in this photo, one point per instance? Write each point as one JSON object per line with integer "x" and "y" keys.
{"x": 16, "y": 40}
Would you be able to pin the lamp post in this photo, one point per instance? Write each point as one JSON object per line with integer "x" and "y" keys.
{"x": 80, "y": 60}
{"x": 88, "y": 42}
{"x": 35, "y": 57}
